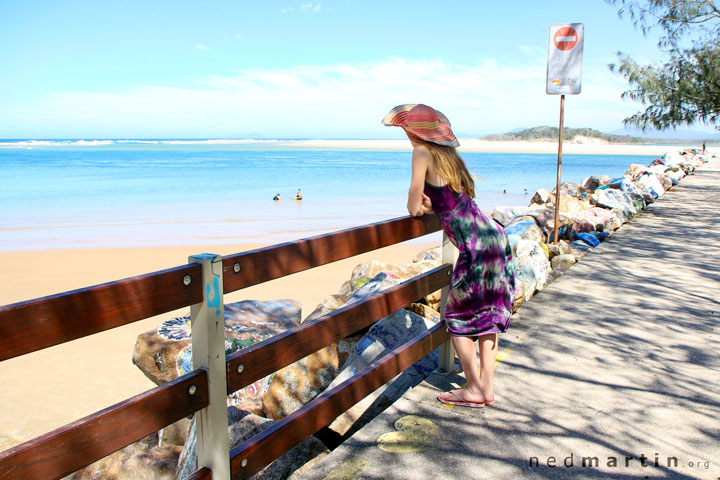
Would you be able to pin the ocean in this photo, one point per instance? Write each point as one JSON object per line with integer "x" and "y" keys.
{"x": 78, "y": 194}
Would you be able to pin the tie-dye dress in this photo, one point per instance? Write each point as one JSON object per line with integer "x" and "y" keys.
{"x": 483, "y": 283}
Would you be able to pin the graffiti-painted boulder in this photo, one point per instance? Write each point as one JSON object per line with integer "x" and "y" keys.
{"x": 524, "y": 228}
{"x": 242, "y": 426}
{"x": 142, "y": 460}
{"x": 652, "y": 183}
{"x": 594, "y": 182}
{"x": 610, "y": 198}
{"x": 299, "y": 383}
{"x": 384, "y": 336}
{"x": 531, "y": 267}
{"x": 574, "y": 190}
{"x": 505, "y": 215}
{"x": 166, "y": 353}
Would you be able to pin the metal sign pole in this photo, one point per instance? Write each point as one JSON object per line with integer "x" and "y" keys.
{"x": 559, "y": 167}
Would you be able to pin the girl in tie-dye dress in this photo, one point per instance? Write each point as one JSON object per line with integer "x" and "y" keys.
{"x": 482, "y": 285}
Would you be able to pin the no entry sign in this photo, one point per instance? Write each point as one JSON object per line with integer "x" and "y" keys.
{"x": 564, "y": 67}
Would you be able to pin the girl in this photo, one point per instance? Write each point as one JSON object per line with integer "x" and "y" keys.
{"x": 482, "y": 286}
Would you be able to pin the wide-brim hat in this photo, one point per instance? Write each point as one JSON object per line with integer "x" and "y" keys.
{"x": 423, "y": 122}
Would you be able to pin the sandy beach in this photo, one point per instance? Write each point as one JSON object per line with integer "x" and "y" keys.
{"x": 52, "y": 387}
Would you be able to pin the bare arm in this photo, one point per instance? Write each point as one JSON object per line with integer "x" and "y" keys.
{"x": 418, "y": 203}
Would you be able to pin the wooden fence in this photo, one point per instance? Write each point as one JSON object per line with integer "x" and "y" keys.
{"x": 32, "y": 325}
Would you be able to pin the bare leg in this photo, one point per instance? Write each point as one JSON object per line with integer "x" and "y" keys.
{"x": 488, "y": 354}
{"x": 465, "y": 350}
{"x": 479, "y": 387}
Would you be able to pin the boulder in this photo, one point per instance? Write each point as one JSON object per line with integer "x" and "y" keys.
{"x": 384, "y": 336}
{"x": 592, "y": 183}
{"x": 434, "y": 254}
{"x": 299, "y": 383}
{"x": 531, "y": 267}
{"x": 504, "y": 215}
{"x": 562, "y": 248}
{"x": 564, "y": 261}
{"x": 542, "y": 197}
{"x": 545, "y": 219}
{"x": 425, "y": 311}
{"x": 574, "y": 190}
{"x": 568, "y": 203}
{"x": 611, "y": 198}
{"x": 597, "y": 217}
{"x": 635, "y": 170}
{"x": 242, "y": 426}
{"x": 524, "y": 228}
{"x": 651, "y": 182}
{"x": 142, "y": 460}
{"x": 166, "y": 353}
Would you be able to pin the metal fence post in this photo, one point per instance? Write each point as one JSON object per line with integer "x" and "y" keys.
{"x": 446, "y": 360}
{"x": 208, "y": 351}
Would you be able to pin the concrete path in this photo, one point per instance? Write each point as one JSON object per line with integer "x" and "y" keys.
{"x": 610, "y": 372}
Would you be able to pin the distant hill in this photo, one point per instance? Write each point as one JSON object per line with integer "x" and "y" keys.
{"x": 570, "y": 135}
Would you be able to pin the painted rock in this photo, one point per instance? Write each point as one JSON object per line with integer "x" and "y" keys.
{"x": 595, "y": 181}
{"x": 434, "y": 254}
{"x": 524, "y": 228}
{"x": 611, "y": 198}
{"x": 652, "y": 183}
{"x": 574, "y": 189}
{"x": 242, "y": 426}
{"x": 505, "y": 215}
{"x": 531, "y": 267}
{"x": 384, "y": 336}
{"x": 166, "y": 353}
{"x": 142, "y": 460}
{"x": 299, "y": 383}
{"x": 425, "y": 311}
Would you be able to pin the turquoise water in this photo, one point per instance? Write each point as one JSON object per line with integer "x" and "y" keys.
{"x": 59, "y": 195}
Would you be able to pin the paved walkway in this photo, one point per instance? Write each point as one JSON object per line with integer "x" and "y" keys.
{"x": 617, "y": 362}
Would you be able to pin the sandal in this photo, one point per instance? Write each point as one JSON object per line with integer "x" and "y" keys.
{"x": 444, "y": 398}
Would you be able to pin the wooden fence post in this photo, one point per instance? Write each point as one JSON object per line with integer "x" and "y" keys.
{"x": 208, "y": 351}
{"x": 446, "y": 360}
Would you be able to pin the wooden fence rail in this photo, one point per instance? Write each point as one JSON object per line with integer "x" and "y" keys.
{"x": 36, "y": 324}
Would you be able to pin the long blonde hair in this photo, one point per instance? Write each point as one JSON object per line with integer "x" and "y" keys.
{"x": 450, "y": 167}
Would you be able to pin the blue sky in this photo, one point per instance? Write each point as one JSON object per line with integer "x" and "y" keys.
{"x": 289, "y": 69}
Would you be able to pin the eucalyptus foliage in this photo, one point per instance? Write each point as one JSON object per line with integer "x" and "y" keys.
{"x": 686, "y": 88}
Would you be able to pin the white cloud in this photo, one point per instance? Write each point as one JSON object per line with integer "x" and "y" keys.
{"x": 311, "y": 7}
{"x": 340, "y": 100}
{"x": 238, "y": 36}
{"x": 200, "y": 46}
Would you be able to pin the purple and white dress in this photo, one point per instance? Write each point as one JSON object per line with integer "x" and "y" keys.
{"x": 482, "y": 288}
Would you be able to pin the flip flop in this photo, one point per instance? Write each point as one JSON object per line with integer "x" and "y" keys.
{"x": 458, "y": 402}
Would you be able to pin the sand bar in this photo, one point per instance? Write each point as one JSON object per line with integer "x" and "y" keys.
{"x": 476, "y": 145}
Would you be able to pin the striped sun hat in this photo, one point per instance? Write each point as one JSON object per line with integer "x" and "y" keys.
{"x": 422, "y": 121}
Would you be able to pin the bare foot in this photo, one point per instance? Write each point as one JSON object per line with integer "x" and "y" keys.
{"x": 461, "y": 395}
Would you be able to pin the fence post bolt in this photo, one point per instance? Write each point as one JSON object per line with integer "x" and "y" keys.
{"x": 446, "y": 360}
{"x": 208, "y": 351}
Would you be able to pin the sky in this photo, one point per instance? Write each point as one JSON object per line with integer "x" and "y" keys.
{"x": 293, "y": 69}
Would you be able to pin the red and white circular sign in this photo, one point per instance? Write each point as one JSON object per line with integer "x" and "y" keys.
{"x": 565, "y": 38}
